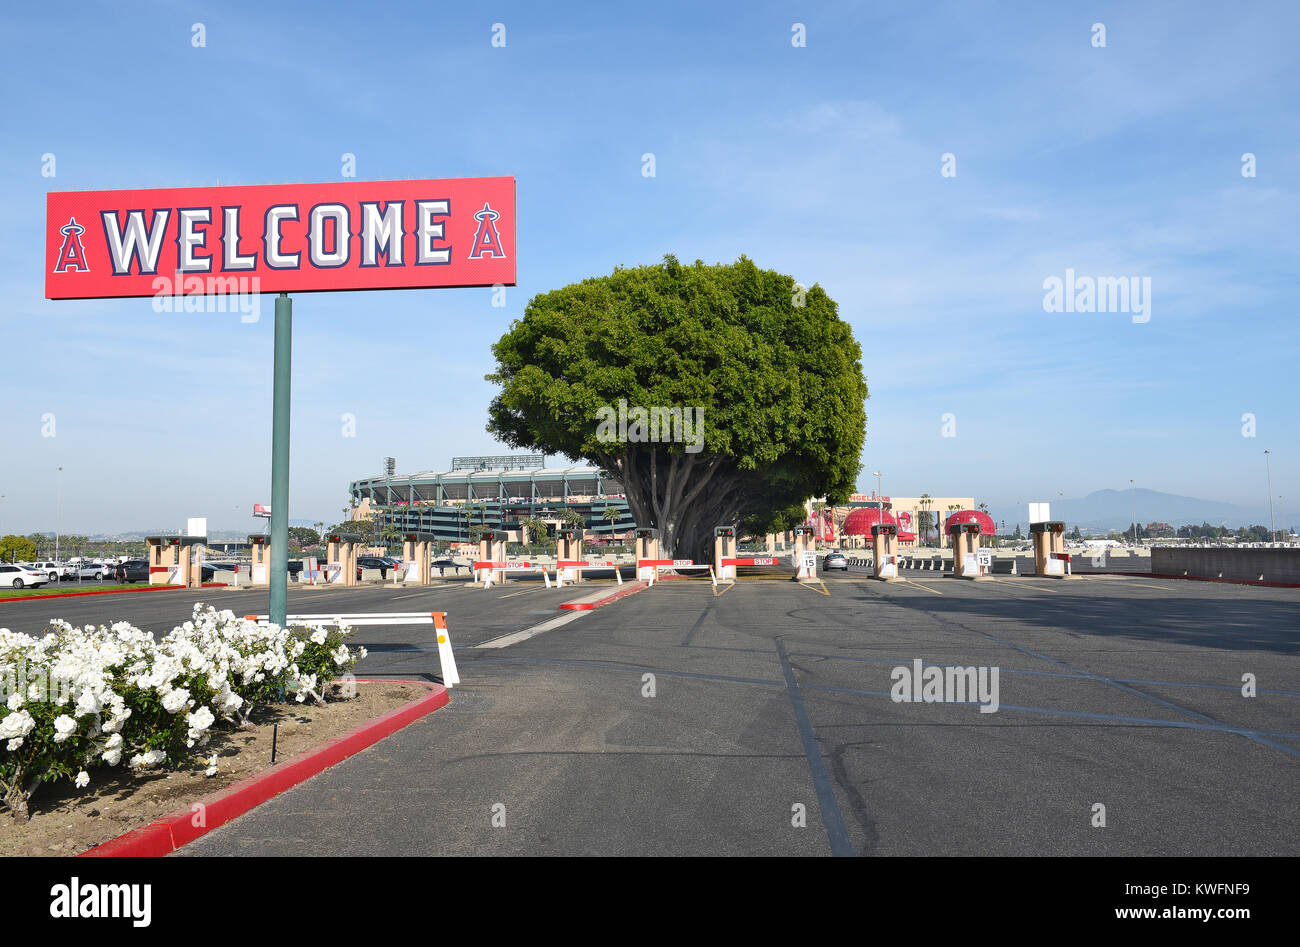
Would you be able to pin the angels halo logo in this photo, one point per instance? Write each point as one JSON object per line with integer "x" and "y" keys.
{"x": 487, "y": 242}
{"x": 72, "y": 256}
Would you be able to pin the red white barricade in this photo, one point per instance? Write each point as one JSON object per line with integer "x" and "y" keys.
{"x": 570, "y": 570}
{"x": 489, "y": 570}
{"x": 649, "y": 568}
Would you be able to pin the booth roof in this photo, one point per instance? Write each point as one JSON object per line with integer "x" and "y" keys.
{"x": 860, "y": 521}
{"x": 986, "y": 524}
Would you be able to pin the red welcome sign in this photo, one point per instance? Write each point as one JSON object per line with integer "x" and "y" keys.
{"x": 280, "y": 238}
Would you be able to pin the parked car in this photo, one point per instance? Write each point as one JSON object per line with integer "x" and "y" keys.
{"x": 383, "y": 564}
{"x": 21, "y": 577}
{"x": 132, "y": 570}
{"x": 51, "y": 569}
{"x": 93, "y": 570}
{"x": 835, "y": 560}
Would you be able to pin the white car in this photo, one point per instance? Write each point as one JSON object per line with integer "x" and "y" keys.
{"x": 20, "y": 577}
{"x": 51, "y": 568}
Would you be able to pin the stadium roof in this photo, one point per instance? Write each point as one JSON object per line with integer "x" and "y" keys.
{"x": 583, "y": 470}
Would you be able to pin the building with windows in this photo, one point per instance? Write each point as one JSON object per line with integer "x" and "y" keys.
{"x": 498, "y": 492}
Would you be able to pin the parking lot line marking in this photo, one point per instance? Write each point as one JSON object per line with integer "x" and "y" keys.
{"x": 725, "y": 590}
{"x": 506, "y": 641}
{"x": 836, "y": 832}
{"x": 524, "y": 592}
{"x": 1168, "y": 704}
{"x": 822, "y": 591}
{"x": 1156, "y": 722}
{"x": 1019, "y": 585}
{"x": 920, "y": 586}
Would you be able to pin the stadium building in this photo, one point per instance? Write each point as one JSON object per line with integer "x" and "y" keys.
{"x": 496, "y": 492}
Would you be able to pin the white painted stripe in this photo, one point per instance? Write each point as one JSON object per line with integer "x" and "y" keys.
{"x": 506, "y": 641}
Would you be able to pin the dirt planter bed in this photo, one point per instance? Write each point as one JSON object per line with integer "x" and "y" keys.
{"x": 125, "y": 814}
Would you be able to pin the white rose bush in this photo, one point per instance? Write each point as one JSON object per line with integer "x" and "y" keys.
{"x": 113, "y": 695}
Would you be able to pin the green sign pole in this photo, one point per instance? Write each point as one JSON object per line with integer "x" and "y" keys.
{"x": 279, "y": 571}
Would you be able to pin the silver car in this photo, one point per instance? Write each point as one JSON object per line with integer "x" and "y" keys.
{"x": 835, "y": 560}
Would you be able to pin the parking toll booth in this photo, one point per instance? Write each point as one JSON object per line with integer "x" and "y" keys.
{"x": 490, "y": 567}
{"x": 417, "y": 557}
{"x": 805, "y": 552}
{"x": 804, "y": 539}
{"x": 260, "y": 552}
{"x": 1050, "y": 557}
{"x": 647, "y": 549}
{"x": 174, "y": 560}
{"x": 568, "y": 555}
{"x": 965, "y": 551}
{"x": 884, "y": 551}
{"x": 724, "y": 553}
{"x": 341, "y": 551}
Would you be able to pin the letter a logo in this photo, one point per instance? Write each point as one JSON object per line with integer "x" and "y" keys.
{"x": 72, "y": 257}
{"x": 486, "y": 241}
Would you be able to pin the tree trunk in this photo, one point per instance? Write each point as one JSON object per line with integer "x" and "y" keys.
{"x": 678, "y": 494}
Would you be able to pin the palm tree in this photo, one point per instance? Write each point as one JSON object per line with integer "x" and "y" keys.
{"x": 536, "y": 527}
{"x": 925, "y": 520}
{"x": 612, "y": 514}
{"x": 388, "y": 533}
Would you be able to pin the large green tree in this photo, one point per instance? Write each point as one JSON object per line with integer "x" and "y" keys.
{"x": 17, "y": 549}
{"x": 775, "y": 372}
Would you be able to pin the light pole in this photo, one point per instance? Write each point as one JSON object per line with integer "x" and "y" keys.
{"x": 1135, "y": 511}
{"x": 1269, "y": 473}
{"x": 58, "y": 504}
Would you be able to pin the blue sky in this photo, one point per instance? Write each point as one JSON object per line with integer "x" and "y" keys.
{"x": 823, "y": 162}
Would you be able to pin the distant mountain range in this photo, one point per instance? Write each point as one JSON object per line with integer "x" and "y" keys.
{"x": 216, "y": 535}
{"x": 1099, "y": 511}
{"x": 1113, "y": 510}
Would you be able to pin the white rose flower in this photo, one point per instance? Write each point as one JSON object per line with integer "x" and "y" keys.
{"x": 83, "y": 779}
{"x": 15, "y": 744}
{"x": 175, "y": 700}
{"x": 64, "y": 727}
{"x": 201, "y": 719}
{"x": 17, "y": 724}
{"x": 112, "y": 757}
{"x": 15, "y": 701}
{"x": 319, "y": 636}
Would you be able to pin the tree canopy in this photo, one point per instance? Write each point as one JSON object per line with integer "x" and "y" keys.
{"x": 769, "y": 372}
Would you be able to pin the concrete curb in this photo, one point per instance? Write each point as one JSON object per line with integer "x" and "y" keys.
{"x": 1198, "y": 578}
{"x": 147, "y": 588}
{"x": 170, "y": 832}
{"x": 599, "y": 599}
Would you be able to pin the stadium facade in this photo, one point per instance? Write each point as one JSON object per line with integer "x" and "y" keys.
{"x": 498, "y": 492}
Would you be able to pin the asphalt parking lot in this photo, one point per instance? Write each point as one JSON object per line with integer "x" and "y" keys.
{"x": 771, "y": 696}
{"x": 495, "y": 611}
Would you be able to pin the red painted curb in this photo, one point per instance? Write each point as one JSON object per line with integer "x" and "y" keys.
{"x": 175, "y": 829}
{"x": 145, "y": 588}
{"x": 580, "y": 606}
